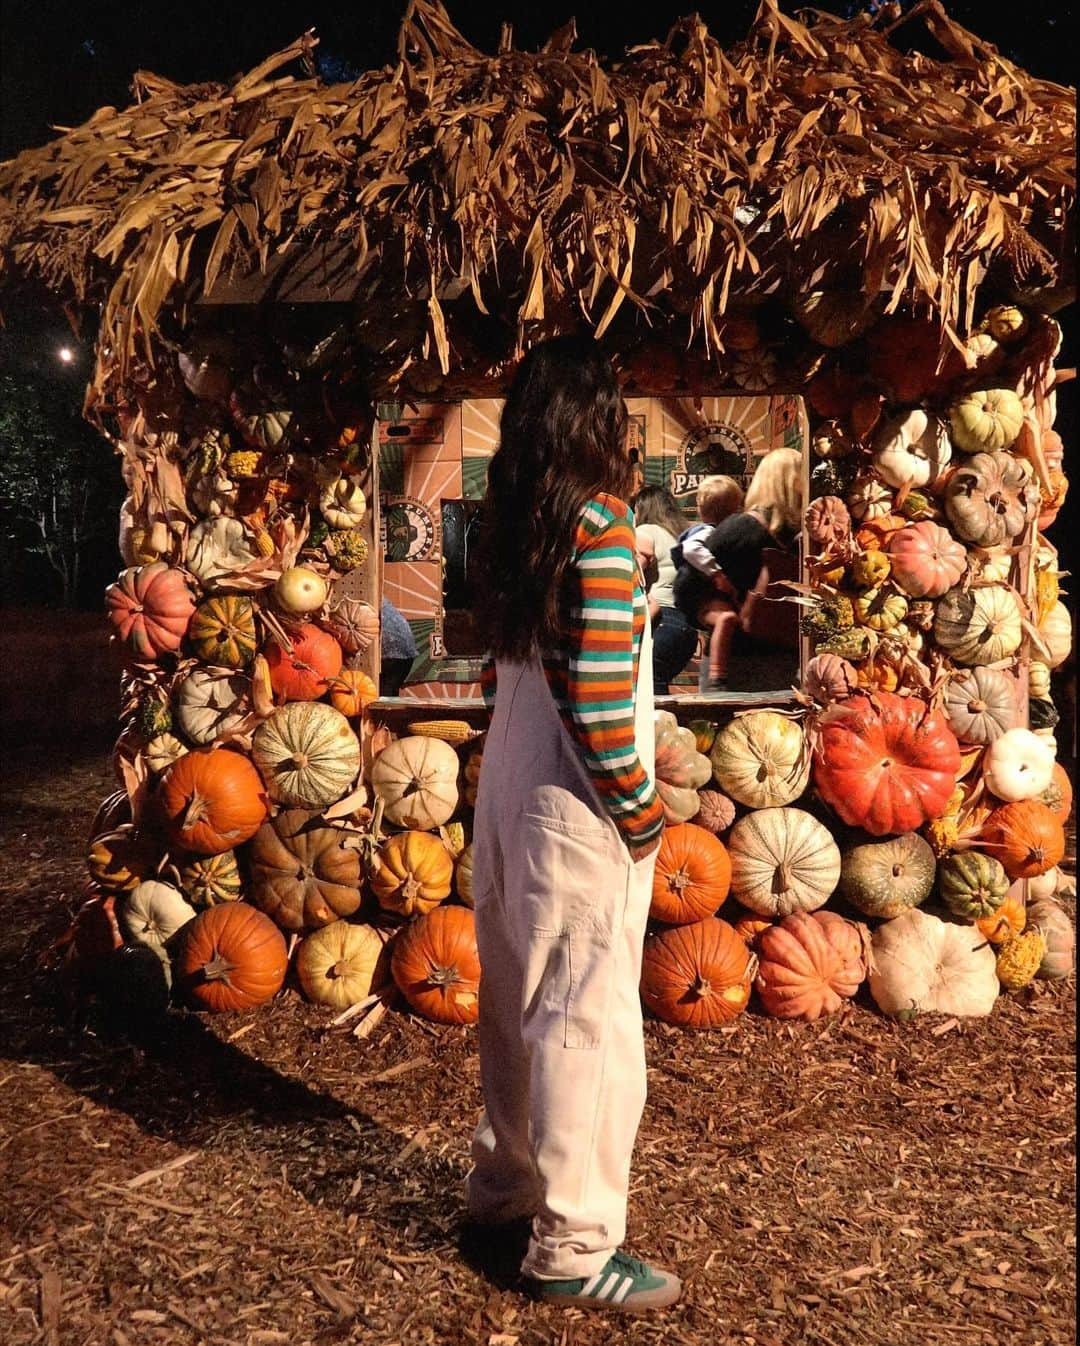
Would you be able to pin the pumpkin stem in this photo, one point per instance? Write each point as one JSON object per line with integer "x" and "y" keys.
{"x": 701, "y": 988}
{"x": 218, "y": 968}
{"x": 783, "y": 878}
{"x": 410, "y": 887}
{"x": 443, "y": 976}
{"x": 678, "y": 881}
{"x": 298, "y": 761}
{"x": 339, "y": 969}
{"x": 194, "y": 813}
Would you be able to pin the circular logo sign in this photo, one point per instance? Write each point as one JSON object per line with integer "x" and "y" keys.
{"x": 714, "y": 448}
{"x": 410, "y": 531}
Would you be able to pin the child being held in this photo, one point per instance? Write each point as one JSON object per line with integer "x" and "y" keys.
{"x": 701, "y": 589}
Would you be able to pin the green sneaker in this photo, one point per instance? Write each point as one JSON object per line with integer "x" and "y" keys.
{"x": 623, "y": 1283}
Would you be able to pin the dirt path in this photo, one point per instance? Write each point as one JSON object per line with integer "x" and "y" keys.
{"x": 262, "y": 1179}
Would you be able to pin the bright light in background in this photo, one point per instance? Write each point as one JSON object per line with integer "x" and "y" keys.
{"x": 65, "y": 355}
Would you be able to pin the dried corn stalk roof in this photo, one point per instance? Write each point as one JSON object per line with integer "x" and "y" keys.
{"x": 547, "y": 186}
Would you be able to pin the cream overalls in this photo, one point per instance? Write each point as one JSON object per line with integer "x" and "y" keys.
{"x": 560, "y": 921}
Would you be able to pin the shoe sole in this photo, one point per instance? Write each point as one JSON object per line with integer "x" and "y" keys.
{"x": 587, "y": 1302}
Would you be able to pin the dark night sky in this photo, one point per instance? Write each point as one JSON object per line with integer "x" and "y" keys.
{"x": 62, "y": 59}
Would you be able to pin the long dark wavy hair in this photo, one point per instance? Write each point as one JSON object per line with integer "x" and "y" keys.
{"x": 562, "y": 439}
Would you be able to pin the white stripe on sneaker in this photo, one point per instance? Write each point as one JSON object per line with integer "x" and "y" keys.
{"x": 609, "y": 1284}
{"x": 623, "y": 1290}
{"x": 590, "y": 1285}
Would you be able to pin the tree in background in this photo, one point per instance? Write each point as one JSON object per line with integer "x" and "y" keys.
{"x": 60, "y": 488}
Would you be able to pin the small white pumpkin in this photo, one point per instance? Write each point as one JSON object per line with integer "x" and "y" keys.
{"x": 911, "y": 449}
{"x": 761, "y": 759}
{"x": 1055, "y": 629}
{"x": 869, "y": 497}
{"x": 300, "y": 590}
{"x": 211, "y": 703}
{"x": 1044, "y": 885}
{"x": 342, "y": 502}
{"x": 782, "y": 860}
{"x": 153, "y": 912}
{"x": 994, "y": 565}
{"x": 986, "y": 421}
{"x": 162, "y": 751}
{"x": 215, "y": 548}
{"x": 416, "y": 779}
{"x": 1017, "y": 765}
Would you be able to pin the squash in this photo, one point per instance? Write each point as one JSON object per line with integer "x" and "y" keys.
{"x": 980, "y": 705}
{"x": 979, "y": 626}
{"x": 1006, "y": 323}
{"x": 354, "y": 624}
{"x": 990, "y": 499}
{"x": 902, "y": 356}
{"x": 303, "y": 876}
{"x": 885, "y": 763}
{"x": 1058, "y": 795}
{"x": 232, "y": 957}
{"x": 697, "y": 976}
{"x": 1055, "y": 632}
{"x": 680, "y": 768}
{"x": 911, "y": 449}
{"x": 416, "y": 779}
{"x": 436, "y": 965}
{"x": 828, "y": 524}
{"x": 1026, "y": 837}
{"x": 216, "y": 547}
{"x": 884, "y": 878}
{"x": 692, "y": 875}
{"x": 1018, "y": 765}
{"x": 809, "y": 964}
{"x": 870, "y": 569}
{"x": 411, "y": 873}
{"x": 342, "y": 502}
{"x": 869, "y": 497}
{"x": 153, "y": 913}
{"x": 716, "y": 812}
{"x": 342, "y": 964}
{"x": 922, "y": 965}
{"x": 972, "y": 885}
{"x": 308, "y": 672}
{"x": 782, "y": 860}
{"x": 834, "y": 317}
{"x": 120, "y": 859}
{"x": 760, "y": 759}
{"x": 264, "y": 426}
{"x": 212, "y": 703}
{"x": 352, "y": 691}
{"x": 1007, "y": 921}
{"x": 881, "y": 609}
{"x": 463, "y": 876}
{"x": 307, "y": 754}
{"x": 1051, "y": 919}
{"x": 925, "y": 559}
{"x": 1038, "y": 679}
{"x": 212, "y": 801}
{"x": 149, "y": 608}
{"x": 828, "y": 678}
{"x": 222, "y": 631}
{"x": 830, "y": 440}
{"x": 986, "y": 422}
{"x": 162, "y": 751}
{"x": 206, "y": 880}
{"x": 1019, "y": 959}
{"x": 300, "y": 590}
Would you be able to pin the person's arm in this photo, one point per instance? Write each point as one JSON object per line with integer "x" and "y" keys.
{"x": 696, "y": 554}
{"x": 600, "y": 673}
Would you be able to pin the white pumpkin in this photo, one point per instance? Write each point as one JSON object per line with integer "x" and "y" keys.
{"x": 782, "y": 860}
{"x": 162, "y": 751}
{"x": 994, "y": 565}
{"x": 1055, "y": 630}
{"x": 307, "y": 754}
{"x": 1018, "y": 765}
{"x": 869, "y": 497}
{"x": 215, "y": 548}
{"x": 924, "y": 965}
{"x": 211, "y": 703}
{"x": 416, "y": 779}
{"x": 911, "y": 449}
{"x": 761, "y": 759}
{"x": 299, "y": 590}
{"x": 986, "y": 421}
{"x": 153, "y": 912}
{"x": 1044, "y": 885}
{"x": 342, "y": 502}
{"x": 979, "y": 626}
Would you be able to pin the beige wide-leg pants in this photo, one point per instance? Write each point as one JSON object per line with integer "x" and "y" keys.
{"x": 560, "y": 921}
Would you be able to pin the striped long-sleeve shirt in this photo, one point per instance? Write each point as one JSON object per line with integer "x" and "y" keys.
{"x": 593, "y": 673}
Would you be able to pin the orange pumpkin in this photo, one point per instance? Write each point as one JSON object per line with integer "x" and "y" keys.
{"x": 748, "y": 925}
{"x": 697, "y": 976}
{"x": 809, "y": 965}
{"x": 1007, "y": 921}
{"x": 1026, "y": 836}
{"x": 212, "y": 801}
{"x": 232, "y": 957}
{"x": 692, "y": 875}
{"x": 436, "y": 965}
{"x": 352, "y": 692}
{"x": 306, "y": 673}
{"x": 874, "y": 535}
{"x": 412, "y": 873}
{"x": 149, "y": 607}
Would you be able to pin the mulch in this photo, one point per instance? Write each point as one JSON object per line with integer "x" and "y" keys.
{"x": 264, "y": 1179}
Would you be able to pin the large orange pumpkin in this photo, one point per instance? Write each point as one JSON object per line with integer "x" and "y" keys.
{"x": 692, "y": 875}
{"x": 305, "y": 674}
{"x": 697, "y": 976}
{"x": 212, "y": 801}
{"x": 233, "y": 957}
{"x": 886, "y": 763}
{"x": 1027, "y": 837}
{"x": 412, "y": 873}
{"x": 1058, "y": 795}
{"x": 149, "y": 608}
{"x": 436, "y": 965}
{"x": 809, "y": 965}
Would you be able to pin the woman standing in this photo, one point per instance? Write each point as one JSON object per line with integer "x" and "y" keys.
{"x": 567, "y": 824}
{"x": 659, "y": 522}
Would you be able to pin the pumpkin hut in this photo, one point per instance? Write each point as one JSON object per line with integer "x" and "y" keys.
{"x": 847, "y": 237}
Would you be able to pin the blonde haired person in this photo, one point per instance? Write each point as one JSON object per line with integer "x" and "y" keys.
{"x": 711, "y": 592}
